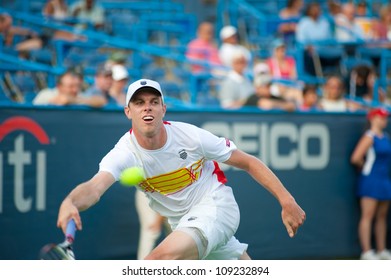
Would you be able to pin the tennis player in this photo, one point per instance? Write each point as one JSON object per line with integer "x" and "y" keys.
{"x": 372, "y": 156}
{"x": 183, "y": 181}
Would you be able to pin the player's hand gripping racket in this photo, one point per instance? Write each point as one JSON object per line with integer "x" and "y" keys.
{"x": 62, "y": 251}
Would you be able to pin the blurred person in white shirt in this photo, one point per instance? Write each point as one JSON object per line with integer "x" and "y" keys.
{"x": 236, "y": 87}
{"x": 66, "y": 92}
{"x": 347, "y": 30}
{"x": 230, "y": 45}
{"x": 333, "y": 97}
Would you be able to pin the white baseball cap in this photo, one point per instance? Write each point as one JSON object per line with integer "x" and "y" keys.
{"x": 227, "y": 31}
{"x": 137, "y": 86}
{"x": 119, "y": 72}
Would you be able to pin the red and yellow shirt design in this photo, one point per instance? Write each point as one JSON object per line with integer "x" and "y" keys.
{"x": 174, "y": 181}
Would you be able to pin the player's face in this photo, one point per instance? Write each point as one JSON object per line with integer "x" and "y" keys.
{"x": 146, "y": 110}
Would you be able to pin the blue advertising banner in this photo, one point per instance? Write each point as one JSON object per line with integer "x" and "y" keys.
{"x": 45, "y": 153}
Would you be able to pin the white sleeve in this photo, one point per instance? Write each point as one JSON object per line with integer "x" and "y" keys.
{"x": 118, "y": 159}
{"x": 214, "y": 147}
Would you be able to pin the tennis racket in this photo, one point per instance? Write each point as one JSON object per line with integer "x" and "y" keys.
{"x": 61, "y": 251}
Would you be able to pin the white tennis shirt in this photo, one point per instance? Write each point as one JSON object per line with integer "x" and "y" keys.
{"x": 178, "y": 174}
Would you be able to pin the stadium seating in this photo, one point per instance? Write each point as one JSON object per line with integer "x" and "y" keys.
{"x": 162, "y": 28}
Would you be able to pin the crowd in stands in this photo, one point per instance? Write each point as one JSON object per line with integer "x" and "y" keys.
{"x": 108, "y": 88}
{"x": 29, "y": 38}
{"x": 312, "y": 27}
{"x": 241, "y": 78}
{"x": 203, "y": 48}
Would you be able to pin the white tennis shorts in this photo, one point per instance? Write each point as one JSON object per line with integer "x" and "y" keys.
{"x": 216, "y": 218}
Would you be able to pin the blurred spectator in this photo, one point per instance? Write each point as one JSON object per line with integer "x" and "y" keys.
{"x": 334, "y": 7}
{"x": 347, "y": 30}
{"x": 230, "y": 45}
{"x": 100, "y": 90}
{"x": 310, "y": 98}
{"x": 88, "y": 11}
{"x": 313, "y": 27}
{"x": 56, "y": 9}
{"x": 362, "y": 9}
{"x": 382, "y": 28}
{"x": 333, "y": 97}
{"x": 5, "y": 28}
{"x": 204, "y": 49}
{"x": 265, "y": 95}
{"x": 68, "y": 91}
{"x": 283, "y": 71}
{"x": 290, "y": 16}
{"x": 293, "y": 9}
{"x": 360, "y": 81}
{"x": 281, "y": 66}
{"x": 367, "y": 22}
{"x": 120, "y": 81}
{"x": 311, "y": 30}
{"x": 29, "y": 39}
{"x": 362, "y": 84}
{"x": 236, "y": 87}
{"x": 372, "y": 156}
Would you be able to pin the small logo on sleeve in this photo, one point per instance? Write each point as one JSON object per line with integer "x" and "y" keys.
{"x": 227, "y": 142}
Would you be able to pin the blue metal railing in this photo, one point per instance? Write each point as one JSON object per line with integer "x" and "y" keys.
{"x": 233, "y": 7}
{"x": 101, "y": 39}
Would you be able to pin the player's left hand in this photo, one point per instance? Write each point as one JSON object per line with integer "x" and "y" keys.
{"x": 292, "y": 217}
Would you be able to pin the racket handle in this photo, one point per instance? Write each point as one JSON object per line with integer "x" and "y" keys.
{"x": 70, "y": 231}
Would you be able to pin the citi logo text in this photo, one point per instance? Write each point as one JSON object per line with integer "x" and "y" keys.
{"x": 17, "y": 158}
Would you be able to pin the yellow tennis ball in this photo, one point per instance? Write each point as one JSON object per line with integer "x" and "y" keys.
{"x": 132, "y": 176}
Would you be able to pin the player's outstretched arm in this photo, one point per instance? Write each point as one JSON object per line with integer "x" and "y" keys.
{"x": 83, "y": 197}
{"x": 292, "y": 214}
